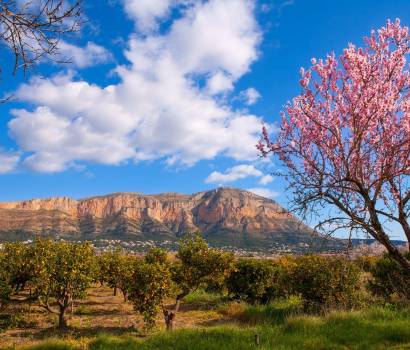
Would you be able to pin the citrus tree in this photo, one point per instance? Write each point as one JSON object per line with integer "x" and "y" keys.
{"x": 19, "y": 264}
{"x": 150, "y": 285}
{"x": 197, "y": 266}
{"x": 65, "y": 272}
{"x": 127, "y": 266}
{"x": 110, "y": 267}
{"x": 5, "y": 285}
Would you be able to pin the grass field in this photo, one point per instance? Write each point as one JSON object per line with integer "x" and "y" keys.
{"x": 206, "y": 321}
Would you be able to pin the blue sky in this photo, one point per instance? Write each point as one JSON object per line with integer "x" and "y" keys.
{"x": 168, "y": 95}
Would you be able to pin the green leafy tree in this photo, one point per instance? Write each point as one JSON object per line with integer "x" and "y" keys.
{"x": 64, "y": 273}
{"x": 101, "y": 268}
{"x": 110, "y": 268}
{"x": 251, "y": 280}
{"x": 19, "y": 264}
{"x": 197, "y": 266}
{"x": 127, "y": 267}
{"x": 20, "y": 267}
{"x": 116, "y": 268}
{"x": 326, "y": 282}
{"x": 5, "y": 285}
{"x": 151, "y": 284}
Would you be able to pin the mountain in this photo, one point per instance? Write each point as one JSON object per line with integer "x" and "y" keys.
{"x": 225, "y": 216}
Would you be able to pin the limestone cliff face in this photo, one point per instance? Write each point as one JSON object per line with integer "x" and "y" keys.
{"x": 132, "y": 215}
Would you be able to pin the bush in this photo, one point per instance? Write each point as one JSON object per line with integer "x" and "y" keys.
{"x": 258, "y": 281}
{"x": 366, "y": 263}
{"x": 390, "y": 281}
{"x": 326, "y": 282}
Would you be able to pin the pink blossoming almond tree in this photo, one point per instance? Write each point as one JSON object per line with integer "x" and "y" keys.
{"x": 345, "y": 140}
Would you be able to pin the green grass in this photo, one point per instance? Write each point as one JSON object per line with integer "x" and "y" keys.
{"x": 201, "y": 296}
{"x": 54, "y": 345}
{"x": 274, "y": 313}
{"x": 376, "y": 328}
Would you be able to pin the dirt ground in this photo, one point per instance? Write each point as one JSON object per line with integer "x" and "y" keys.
{"x": 100, "y": 312}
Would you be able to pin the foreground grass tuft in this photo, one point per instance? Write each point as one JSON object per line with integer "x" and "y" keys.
{"x": 274, "y": 313}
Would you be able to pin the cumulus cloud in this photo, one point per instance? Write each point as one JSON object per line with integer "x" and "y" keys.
{"x": 233, "y": 174}
{"x": 147, "y": 13}
{"x": 264, "y": 192}
{"x": 8, "y": 161}
{"x": 250, "y": 96}
{"x": 219, "y": 83}
{"x": 238, "y": 172}
{"x": 157, "y": 110}
{"x": 267, "y": 179}
{"x": 83, "y": 57}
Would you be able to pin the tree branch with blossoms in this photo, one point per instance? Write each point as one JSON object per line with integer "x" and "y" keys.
{"x": 345, "y": 140}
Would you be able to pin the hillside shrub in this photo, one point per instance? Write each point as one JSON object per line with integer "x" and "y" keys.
{"x": 326, "y": 282}
{"x": 389, "y": 280}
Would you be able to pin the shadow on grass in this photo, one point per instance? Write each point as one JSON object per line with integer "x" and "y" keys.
{"x": 75, "y": 332}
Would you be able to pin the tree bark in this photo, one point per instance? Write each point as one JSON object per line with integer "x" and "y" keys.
{"x": 62, "y": 323}
{"x": 170, "y": 315}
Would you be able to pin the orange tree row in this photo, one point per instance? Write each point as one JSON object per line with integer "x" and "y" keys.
{"x": 53, "y": 274}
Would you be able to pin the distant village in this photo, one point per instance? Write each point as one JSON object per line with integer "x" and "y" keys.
{"x": 360, "y": 248}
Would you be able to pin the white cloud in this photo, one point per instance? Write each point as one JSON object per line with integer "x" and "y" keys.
{"x": 233, "y": 174}
{"x": 267, "y": 179}
{"x": 250, "y": 96}
{"x": 219, "y": 83}
{"x": 8, "y": 161}
{"x": 264, "y": 192}
{"x": 146, "y": 13}
{"x": 157, "y": 110}
{"x": 83, "y": 57}
{"x": 216, "y": 35}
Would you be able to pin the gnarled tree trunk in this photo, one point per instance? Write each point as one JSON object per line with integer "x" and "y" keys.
{"x": 170, "y": 315}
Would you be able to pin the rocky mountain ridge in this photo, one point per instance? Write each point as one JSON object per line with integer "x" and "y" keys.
{"x": 223, "y": 215}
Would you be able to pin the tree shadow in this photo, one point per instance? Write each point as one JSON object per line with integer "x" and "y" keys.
{"x": 75, "y": 332}
{"x": 101, "y": 312}
{"x": 220, "y": 322}
{"x": 92, "y": 302}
